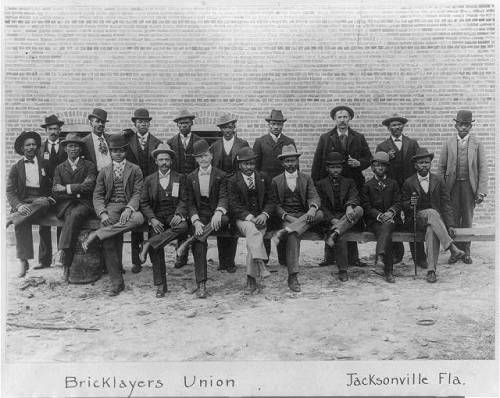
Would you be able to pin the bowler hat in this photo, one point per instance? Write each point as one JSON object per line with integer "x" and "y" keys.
{"x": 289, "y": 151}
{"x": 184, "y": 114}
{"x": 381, "y": 157}
{"x": 72, "y": 137}
{"x": 421, "y": 154}
{"x": 339, "y": 108}
{"x": 276, "y": 116}
{"x": 116, "y": 141}
{"x": 394, "y": 118}
{"x": 50, "y": 120}
{"x": 200, "y": 147}
{"x": 245, "y": 153}
{"x": 162, "y": 148}
{"x": 225, "y": 119}
{"x": 464, "y": 116}
{"x": 99, "y": 113}
{"x": 335, "y": 158}
{"x": 141, "y": 113}
{"x": 19, "y": 143}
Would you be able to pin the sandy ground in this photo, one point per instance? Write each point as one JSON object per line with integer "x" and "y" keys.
{"x": 363, "y": 319}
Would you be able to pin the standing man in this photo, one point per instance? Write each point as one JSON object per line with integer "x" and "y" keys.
{"x": 96, "y": 143}
{"x": 184, "y": 163}
{"x": 464, "y": 167}
{"x": 224, "y": 152}
{"x": 140, "y": 145}
{"x": 29, "y": 187}
{"x": 401, "y": 149}
{"x": 267, "y": 148}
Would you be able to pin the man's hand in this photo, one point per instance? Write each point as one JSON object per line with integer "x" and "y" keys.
{"x": 260, "y": 220}
{"x": 216, "y": 221}
{"x": 176, "y": 220}
{"x": 387, "y": 216}
{"x": 351, "y": 162}
{"x": 125, "y": 216}
{"x": 290, "y": 219}
{"x": 452, "y": 232}
{"x": 479, "y": 199}
{"x": 311, "y": 214}
{"x": 24, "y": 210}
{"x": 349, "y": 213}
{"x": 392, "y": 154}
{"x": 157, "y": 225}
{"x": 198, "y": 228}
{"x": 105, "y": 220}
{"x": 59, "y": 188}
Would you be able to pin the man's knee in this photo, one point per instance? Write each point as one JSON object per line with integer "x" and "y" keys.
{"x": 137, "y": 218}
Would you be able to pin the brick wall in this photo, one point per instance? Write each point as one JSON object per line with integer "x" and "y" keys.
{"x": 422, "y": 60}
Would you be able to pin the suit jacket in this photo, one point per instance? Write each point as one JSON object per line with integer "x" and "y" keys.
{"x": 478, "y": 165}
{"x": 348, "y": 195}
{"x": 409, "y": 149}
{"x": 377, "y": 199}
{"x": 132, "y": 184}
{"x": 267, "y": 152}
{"x": 238, "y": 195}
{"x": 88, "y": 151}
{"x": 216, "y": 191}
{"x": 217, "y": 149}
{"x": 440, "y": 198}
{"x": 356, "y": 146}
{"x": 184, "y": 163}
{"x": 60, "y": 156}
{"x": 16, "y": 182}
{"x": 81, "y": 181}
{"x": 150, "y": 195}
{"x": 305, "y": 185}
{"x": 133, "y": 147}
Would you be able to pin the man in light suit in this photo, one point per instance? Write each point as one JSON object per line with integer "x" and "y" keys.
{"x": 116, "y": 203}
{"x": 96, "y": 143}
{"x": 464, "y": 167}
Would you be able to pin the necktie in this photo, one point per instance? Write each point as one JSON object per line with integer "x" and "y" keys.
{"x": 343, "y": 140}
{"x": 142, "y": 142}
{"x": 29, "y": 161}
{"x": 118, "y": 169}
{"x": 204, "y": 172}
{"x": 53, "y": 151}
{"x": 251, "y": 183}
{"x": 102, "y": 146}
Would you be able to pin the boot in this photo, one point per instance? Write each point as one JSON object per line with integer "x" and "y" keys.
{"x": 379, "y": 262}
{"x": 456, "y": 252}
{"x": 23, "y": 268}
{"x": 202, "y": 290}
{"x": 293, "y": 283}
{"x": 251, "y": 286}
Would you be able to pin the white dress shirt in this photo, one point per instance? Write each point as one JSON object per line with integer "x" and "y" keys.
{"x": 398, "y": 142}
{"x": 463, "y": 141}
{"x": 291, "y": 180}
{"x": 164, "y": 179}
{"x": 424, "y": 182}
{"x": 143, "y": 139}
{"x": 102, "y": 160}
{"x": 228, "y": 145}
{"x": 32, "y": 176}
{"x": 51, "y": 144}
{"x": 274, "y": 137}
{"x": 185, "y": 140}
{"x": 204, "y": 177}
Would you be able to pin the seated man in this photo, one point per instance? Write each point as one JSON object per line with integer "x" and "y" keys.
{"x": 28, "y": 192}
{"x": 74, "y": 182}
{"x": 116, "y": 203}
{"x": 428, "y": 192}
{"x": 251, "y": 208}
{"x": 297, "y": 204}
{"x": 381, "y": 201}
{"x": 165, "y": 210}
{"x": 340, "y": 206}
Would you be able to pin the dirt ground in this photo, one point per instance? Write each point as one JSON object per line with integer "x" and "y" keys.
{"x": 362, "y": 319}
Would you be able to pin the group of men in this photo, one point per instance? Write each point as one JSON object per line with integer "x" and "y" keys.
{"x": 186, "y": 187}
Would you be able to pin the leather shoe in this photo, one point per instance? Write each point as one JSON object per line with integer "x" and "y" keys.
{"x": 452, "y": 260}
{"x": 359, "y": 263}
{"x": 115, "y": 291}
{"x": 326, "y": 263}
{"x": 231, "y": 269}
{"x": 390, "y": 278}
{"x": 162, "y": 289}
{"x": 202, "y": 290}
{"x": 180, "y": 262}
{"x": 456, "y": 252}
{"x": 23, "y": 268}
{"x": 251, "y": 286}
{"x": 379, "y": 262}
{"x": 58, "y": 259}
{"x": 343, "y": 277}
{"x": 41, "y": 266}
{"x": 293, "y": 283}
{"x": 136, "y": 268}
{"x": 423, "y": 264}
{"x": 467, "y": 259}
{"x": 431, "y": 277}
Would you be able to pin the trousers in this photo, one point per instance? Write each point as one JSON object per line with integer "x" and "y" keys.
{"x": 255, "y": 245}
{"x": 463, "y": 203}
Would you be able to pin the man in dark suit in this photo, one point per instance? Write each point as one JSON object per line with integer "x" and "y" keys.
{"x": 29, "y": 187}
{"x": 74, "y": 182}
{"x": 401, "y": 149}
{"x": 140, "y": 145}
{"x": 251, "y": 207}
{"x": 96, "y": 143}
{"x": 341, "y": 207}
{"x": 184, "y": 163}
{"x": 381, "y": 201}
{"x": 162, "y": 203}
{"x": 116, "y": 203}
{"x": 428, "y": 192}
{"x": 297, "y": 206}
{"x": 224, "y": 152}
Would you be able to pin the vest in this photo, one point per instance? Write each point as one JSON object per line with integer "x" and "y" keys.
{"x": 253, "y": 202}
{"x": 118, "y": 194}
{"x": 226, "y": 161}
{"x": 168, "y": 203}
{"x": 397, "y": 171}
{"x": 338, "y": 207}
{"x": 462, "y": 162}
{"x": 142, "y": 159}
{"x": 205, "y": 209}
{"x": 292, "y": 202}
{"x": 424, "y": 201}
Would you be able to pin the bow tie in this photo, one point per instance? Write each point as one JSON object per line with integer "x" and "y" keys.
{"x": 424, "y": 178}
{"x": 204, "y": 173}
{"x": 29, "y": 161}
{"x": 397, "y": 139}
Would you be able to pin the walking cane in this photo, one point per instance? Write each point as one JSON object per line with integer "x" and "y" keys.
{"x": 414, "y": 194}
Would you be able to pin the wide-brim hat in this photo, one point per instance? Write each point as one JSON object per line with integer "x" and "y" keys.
{"x": 245, "y": 153}
{"x": 394, "y": 118}
{"x": 421, "y": 154}
{"x": 100, "y": 114}
{"x": 18, "y": 144}
{"x": 276, "y": 116}
{"x": 184, "y": 114}
{"x": 289, "y": 151}
{"x": 142, "y": 114}
{"x": 72, "y": 137}
{"x": 50, "y": 120}
{"x": 339, "y": 108}
{"x": 225, "y": 119}
{"x": 162, "y": 148}
{"x": 116, "y": 141}
{"x": 200, "y": 147}
{"x": 381, "y": 157}
{"x": 335, "y": 158}
{"x": 464, "y": 117}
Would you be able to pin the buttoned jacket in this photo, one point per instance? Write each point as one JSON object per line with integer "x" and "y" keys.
{"x": 238, "y": 195}
{"x": 267, "y": 151}
{"x": 216, "y": 191}
{"x": 379, "y": 198}
{"x": 133, "y": 149}
{"x": 349, "y": 195}
{"x": 217, "y": 150}
{"x": 408, "y": 150}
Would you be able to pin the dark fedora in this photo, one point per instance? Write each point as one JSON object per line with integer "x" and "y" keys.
{"x": 200, "y": 147}
{"x": 225, "y": 119}
{"x": 340, "y": 108}
{"x": 184, "y": 114}
{"x": 99, "y": 114}
{"x": 394, "y": 118}
{"x": 335, "y": 158}
{"x": 116, "y": 141}
{"x": 381, "y": 157}
{"x": 245, "y": 153}
{"x": 276, "y": 116}
{"x": 464, "y": 117}
{"x": 18, "y": 144}
{"x": 50, "y": 120}
{"x": 289, "y": 151}
{"x": 163, "y": 148}
{"x": 421, "y": 154}
{"x": 141, "y": 113}
{"x": 72, "y": 137}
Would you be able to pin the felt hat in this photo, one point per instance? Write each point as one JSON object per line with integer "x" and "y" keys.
{"x": 116, "y": 141}
{"x": 225, "y": 119}
{"x": 381, "y": 157}
{"x": 464, "y": 116}
{"x": 335, "y": 158}
{"x": 100, "y": 114}
{"x": 394, "y": 118}
{"x": 72, "y": 137}
{"x": 421, "y": 154}
{"x": 289, "y": 151}
{"x": 276, "y": 116}
{"x": 245, "y": 153}
{"x": 339, "y": 108}
{"x": 141, "y": 113}
{"x": 200, "y": 147}
{"x": 19, "y": 143}
{"x": 184, "y": 114}
{"x": 162, "y": 148}
{"x": 50, "y": 120}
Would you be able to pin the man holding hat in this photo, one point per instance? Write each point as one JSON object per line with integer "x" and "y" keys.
{"x": 381, "y": 201}
{"x": 464, "y": 167}
{"x": 297, "y": 205}
{"x": 116, "y": 203}
{"x": 341, "y": 207}
{"x": 140, "y": 145}
{"x": 428, "y": 192}
{"x": 29, "y": 194}
{"x": 251, "y": 207}
{"x": 74, "y": 182}
{"x": 96, "y": 143}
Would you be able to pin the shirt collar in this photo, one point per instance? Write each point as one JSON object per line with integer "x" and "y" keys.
{"x": 274, "y": 137}
{"x": 465, "y": 139}
{"x": 120, "y": 164}
{"x": 420, "y": 178}
{"x": 143, "y": 137}
{"x": 188, "y": 137}
{"x": 291, "y": 175}
{"x": 208, "y": 170}
{"x": 340, "y": 133}
{"x": 247, "y": 177}
{"x": 73, "y": 163}
{"x": 380, "y": 179}
{"x": 35, "y": 160}
{"x": 98, "y": 137}
{"x": 53, "y": 142}
{"x": 228, "y": 142}
{"x": 164, "y": 175}
{"x": 400, "y": 138}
